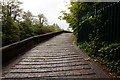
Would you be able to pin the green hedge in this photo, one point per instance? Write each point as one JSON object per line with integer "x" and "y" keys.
{"x": 110, "y": 55}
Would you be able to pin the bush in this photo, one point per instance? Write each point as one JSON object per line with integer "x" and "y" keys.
{"x": 110, "y": 56}
{"x": 107, "y": 54}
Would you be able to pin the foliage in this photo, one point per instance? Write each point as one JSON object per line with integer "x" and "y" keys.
{"x": 88, "y": 27}
{"x": 18, "y": 25}
{"x": 42, "y": 19}
{"x": 109, "y": 56}
{"x": 57, "y": 28}
{"x": 12, "y": 29}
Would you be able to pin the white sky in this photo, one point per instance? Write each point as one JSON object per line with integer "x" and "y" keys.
{"x": 50, "y": 8}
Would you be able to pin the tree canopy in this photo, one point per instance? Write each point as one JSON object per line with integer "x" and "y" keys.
{"x": 18, "y": 24}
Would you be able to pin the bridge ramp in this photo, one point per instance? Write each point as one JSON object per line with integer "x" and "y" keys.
{"x": 56, "y": 58}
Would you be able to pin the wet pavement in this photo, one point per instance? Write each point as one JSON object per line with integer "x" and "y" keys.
{"x": 55, "y": 58}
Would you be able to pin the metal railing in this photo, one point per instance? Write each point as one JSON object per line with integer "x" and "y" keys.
{"x": 111, "y": 24}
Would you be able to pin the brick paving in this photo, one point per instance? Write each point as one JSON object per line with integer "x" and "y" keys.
{"x": 55, "y": 58}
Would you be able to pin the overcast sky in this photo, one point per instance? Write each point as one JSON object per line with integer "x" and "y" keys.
{"x": 50, "y": 8}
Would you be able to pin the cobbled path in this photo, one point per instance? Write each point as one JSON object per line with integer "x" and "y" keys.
{"x": 55, "y": 58}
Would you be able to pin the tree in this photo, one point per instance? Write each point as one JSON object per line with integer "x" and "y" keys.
{"x": 27, "y": 16}
{"x": 11, "y": 8}
{"x": 27, "y": 24}
{"x": 10, "y": 29}
{"x": 57, "y": 28}
{"x": 42, "y": 19}
{"x": 18, "y": 25}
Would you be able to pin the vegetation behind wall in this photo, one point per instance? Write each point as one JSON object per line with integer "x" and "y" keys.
{"x": 18, "y": 25}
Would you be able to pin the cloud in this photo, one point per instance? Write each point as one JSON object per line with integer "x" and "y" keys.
{"x": 50, "y": 8}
